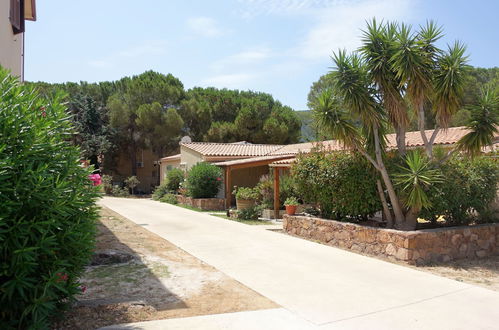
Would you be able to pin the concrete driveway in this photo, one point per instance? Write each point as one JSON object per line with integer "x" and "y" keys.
{"x": 318, "y": 286}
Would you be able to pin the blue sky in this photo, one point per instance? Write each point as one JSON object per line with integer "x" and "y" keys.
{"x": 274, "y": 46}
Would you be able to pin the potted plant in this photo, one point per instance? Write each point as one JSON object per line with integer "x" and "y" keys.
{"x": 291, "y": 203}
{"x": 245, "y": 197}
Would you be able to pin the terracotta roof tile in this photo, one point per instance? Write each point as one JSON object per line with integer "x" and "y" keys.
{"x": 174, "y": 157}
{"x": 252, "y": 160}
{"x": 231, "y": 149}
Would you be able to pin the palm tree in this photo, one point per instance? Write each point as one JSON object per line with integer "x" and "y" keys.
{"x": 484, "y": 123}
{"x": 369, "y": 88}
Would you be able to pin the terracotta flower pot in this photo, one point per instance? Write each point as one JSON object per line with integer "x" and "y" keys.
{"x": 290, "y": 209}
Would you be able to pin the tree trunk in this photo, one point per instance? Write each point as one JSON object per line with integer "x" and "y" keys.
{"x": 397, "y": 210}
{"x": 386, "y": 209}
{"x": 422, "y": 128}
{"x": 400, "y": 136}
{"x": 411, "y": 220}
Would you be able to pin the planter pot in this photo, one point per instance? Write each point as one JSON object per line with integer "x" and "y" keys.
{"x": 291, "y": 209}
{"x": 244, "y": 203}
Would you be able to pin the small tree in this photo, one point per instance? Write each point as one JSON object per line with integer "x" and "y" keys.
{"x": 132, "y": 182}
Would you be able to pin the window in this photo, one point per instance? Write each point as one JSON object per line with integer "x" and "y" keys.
{"x": 17, "y": 16}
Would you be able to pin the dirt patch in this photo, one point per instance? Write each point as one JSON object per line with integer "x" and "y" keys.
{"x": 482, "y": 272}
{"x": 157, "y": 281}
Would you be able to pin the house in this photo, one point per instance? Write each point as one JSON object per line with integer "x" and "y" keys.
{"x": 245, "y": 163}
{"x": 13, "y": 14}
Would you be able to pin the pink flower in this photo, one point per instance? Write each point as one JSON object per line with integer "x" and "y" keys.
{"x": 44, "y": 114}
{"x": 62, "y": 277}
{"x": 83, "y": 289}
{"x": 219, "y": 179}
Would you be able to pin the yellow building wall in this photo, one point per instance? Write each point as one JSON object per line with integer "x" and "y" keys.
{"x": 148, "y": 175}
{"x": 164, "y": 168}
{"x": 189, "y": 158}
{"x": 11, "y": 46}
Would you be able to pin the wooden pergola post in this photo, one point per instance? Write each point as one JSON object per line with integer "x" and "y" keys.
{"x": 276, "y": 193}
{"x": 228, "y": 190}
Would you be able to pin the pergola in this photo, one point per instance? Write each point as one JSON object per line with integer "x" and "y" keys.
{"x": 278, "y": 167}
{"x": 231, "y": 165}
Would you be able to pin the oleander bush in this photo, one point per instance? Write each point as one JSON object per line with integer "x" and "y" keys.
{"x": 47, "y": 214}
{"x": 466, "y": 192}
{"x": 204, "y": 180}
{"x": 169, "y": 198}
{"x": 174, "y": 178}
{"x": 341, "y": 184}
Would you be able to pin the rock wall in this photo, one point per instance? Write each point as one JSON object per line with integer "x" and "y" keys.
{"x": 414, "y": 247}
{"x": 206, "y": 204}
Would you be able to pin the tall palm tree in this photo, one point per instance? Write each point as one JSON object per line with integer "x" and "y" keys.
{"x": 369, "y": 87}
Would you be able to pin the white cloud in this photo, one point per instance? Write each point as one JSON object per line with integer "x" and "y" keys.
{"x": 147, "y": 48}
{"x": 254, "y": 8}
{"x": 339, "y": 26}
{"x": 245, "y": 58}
{"x": 204, "y": 26}
{"x": 234, "y": 80}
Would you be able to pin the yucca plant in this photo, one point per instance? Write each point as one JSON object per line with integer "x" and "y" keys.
{"x": 414, "y": 179}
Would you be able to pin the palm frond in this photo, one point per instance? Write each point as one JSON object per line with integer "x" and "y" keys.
{"x": 484, "y": 123}
{"x": 449, "y": 82}
{"x": 415, "y": 178}
{"x": 335, "y": 120}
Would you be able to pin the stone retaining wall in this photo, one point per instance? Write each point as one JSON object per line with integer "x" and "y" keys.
{"x": 414, "y": 247}
{"x": 206, "y": 204}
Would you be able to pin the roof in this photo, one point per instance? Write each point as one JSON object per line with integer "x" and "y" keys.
{"x": 231, "y": 149}
{"x": 174, "y": 157}
{"x": 261, "y": 159}
{"x": 294, "y": 149}
{"x": 284, "y": 162}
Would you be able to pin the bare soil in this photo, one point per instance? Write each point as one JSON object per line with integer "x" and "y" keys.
{"x": 160, "y": 281}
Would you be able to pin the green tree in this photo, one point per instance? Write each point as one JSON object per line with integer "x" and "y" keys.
{"x": 368, "y": 88}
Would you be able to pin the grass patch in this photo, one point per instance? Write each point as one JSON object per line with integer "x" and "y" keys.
{"x": 192, "y": 208}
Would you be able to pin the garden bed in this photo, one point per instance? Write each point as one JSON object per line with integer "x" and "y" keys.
{"x": 205, "y": 204}
{"x": 413, "y": 247}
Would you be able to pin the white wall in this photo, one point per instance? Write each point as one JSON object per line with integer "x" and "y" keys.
{"x": 11, "y": 46}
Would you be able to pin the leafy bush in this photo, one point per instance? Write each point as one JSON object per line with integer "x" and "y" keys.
{"x": 291, "y": 201}
{"x": 132, "y": 182}
{"x": 169, "y": 198}
{"x": 342, "y": 184}
{"x": 174, "y": 178}
{"x": 250, "y": 213}
{"x": 465, "y": 194}
{"x": 117, "y": 191}
{"x": 287, "y": 188}
{"x": 107, "y": 183}
{"x": 47, "y": 214}
{"x": 246, "y": 193}
{"x": 160, "y": 191}
{"x": 265, "y": 188}
{"x": 204, "y": 180}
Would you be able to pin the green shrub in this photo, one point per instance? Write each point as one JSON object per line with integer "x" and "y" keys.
{"x": 132, "y": 182}
{"x": 117, "y": 191}
{"x": 246, "y": 193}
{"x": 265, "y": 188}
{"x": 174, "y": 178}
{"x": 47, "y": 214}
{"x": 465, "y": 194}
{"x": 204, "y": 180}
{"x": 287, "y": 188}
{"x": 291, "y": 201}
{"x": 342, "y": 184}
{"x": 107, "y": 183}
{"x": 250, "y": 213}
{"x": 160, "y": 191}
{"x": 169, "y": 198}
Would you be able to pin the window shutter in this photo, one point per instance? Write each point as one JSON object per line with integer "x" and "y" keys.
{"x": 17, "y": 15}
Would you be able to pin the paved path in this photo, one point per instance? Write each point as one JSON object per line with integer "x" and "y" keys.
{"x": 321, "y": 286}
